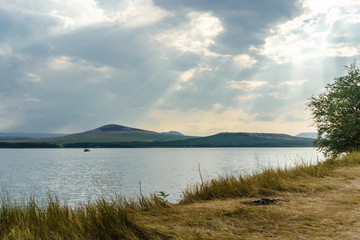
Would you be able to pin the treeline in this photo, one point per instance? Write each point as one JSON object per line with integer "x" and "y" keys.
{"x": 219, "y": 140}
{"x": 27, "y": 145}
{"x": 186, "y": 144}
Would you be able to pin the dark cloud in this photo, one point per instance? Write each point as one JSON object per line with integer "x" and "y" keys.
{"x": 17, "y": 29}
{"x": 246, "y": 22}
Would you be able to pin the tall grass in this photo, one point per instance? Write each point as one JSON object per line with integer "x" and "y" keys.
{"x": 94, "y": 220}
{"x": 264, "y": 183}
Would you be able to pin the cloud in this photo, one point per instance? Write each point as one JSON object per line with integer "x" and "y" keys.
{"x": 245, "y": 60}
{"x": 68, "y": 14}
{"x": 187, "y": 75}
{"x": 76, "y": 65}
{"x": 246, "y": 84}
{"x": 139, "y": 13}
{"x": 33, "y": 77}
{"x": 278, "y": 95}
{"x": 195, "y": 36}
{"x": 11, "y": 106}
{"x": 199, "y": 122}
{"x": 202, "y": 123}
{"x": 294, "y": 83}
{"x": 5, "y": 50}
{"x": 60, "y": 63}
{"x": 32, "y": 100}
{"x": 248, "y": 97}
{"x": 311, "y": 35}
{"x": 244, "y": 22}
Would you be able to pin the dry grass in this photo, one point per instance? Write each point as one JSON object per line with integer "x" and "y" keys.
{"x": 95, "y": 220}
{"x": 267, "y": 182}
{"x": 313, "y": 202}
{"x": 326, "y": 208}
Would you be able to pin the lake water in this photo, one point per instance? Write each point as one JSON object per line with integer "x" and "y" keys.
{"x": 77, "y": 176}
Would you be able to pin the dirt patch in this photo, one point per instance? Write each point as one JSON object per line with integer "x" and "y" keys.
{"x": 262, "y": 201}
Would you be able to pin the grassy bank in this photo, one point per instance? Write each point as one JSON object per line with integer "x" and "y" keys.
{"x": 94, "y": 220}
{"x": 267, "y": 182}
{"x": 211, "y": 210}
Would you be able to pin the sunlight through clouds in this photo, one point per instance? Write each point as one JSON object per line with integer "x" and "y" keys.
{"x": 309, "y": 35}
{"x": 196, "y": 36}
{"x": 60, "y": 63}
{"x": 245, "y": 60}
{"x": 97, "y": 74}
{"x": 139, "y": 13}
{"x": 246, "y": 84}
{"x": 187, "y": 75}
{"x": 200, "y": 122}
{"x": 294, "y": 83}
{"x": 202, "y": 66}
{"x": 69, "y": 13}
{"x": 247, "y": 97}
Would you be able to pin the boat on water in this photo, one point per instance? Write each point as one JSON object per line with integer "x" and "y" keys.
{"x": 86, "y": 150}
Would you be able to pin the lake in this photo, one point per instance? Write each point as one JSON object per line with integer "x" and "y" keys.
{"x": 76, "y": 176}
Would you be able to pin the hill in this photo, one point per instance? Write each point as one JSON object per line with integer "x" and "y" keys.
{"x": 24, "y": 135}
{"x": 113, "y": 135}
{"x": 119, "y": 133}
{"x": 217, "y": 140}
{"x": 312, "y": 135}
{"x": 242, "y": 139}
{"x": 173, "y": 133}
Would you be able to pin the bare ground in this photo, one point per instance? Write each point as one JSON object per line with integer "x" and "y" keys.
{"x": 329, "y": 210}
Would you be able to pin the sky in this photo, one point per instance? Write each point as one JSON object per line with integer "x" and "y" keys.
{"x": 195, "y": 66}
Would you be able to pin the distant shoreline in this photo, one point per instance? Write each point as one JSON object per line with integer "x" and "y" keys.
{"x": 6, "y": 145}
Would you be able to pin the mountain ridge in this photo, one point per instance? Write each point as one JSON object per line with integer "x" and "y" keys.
{"x": 28, "y": 135}
{"x": 113, "y": 135}
{"x": 173, "y": 133}
{"x": 312, "y": 135}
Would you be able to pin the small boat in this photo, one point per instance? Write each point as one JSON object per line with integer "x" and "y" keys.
{"x": 86, "y": 150}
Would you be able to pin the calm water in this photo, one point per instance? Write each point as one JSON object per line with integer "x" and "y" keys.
{"x": 76, "y": 176}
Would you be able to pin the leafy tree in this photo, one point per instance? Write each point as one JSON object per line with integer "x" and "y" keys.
{"x": 336, "y": 114}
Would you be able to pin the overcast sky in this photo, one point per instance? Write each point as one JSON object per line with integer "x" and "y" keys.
{"x": 196, "y": 66}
